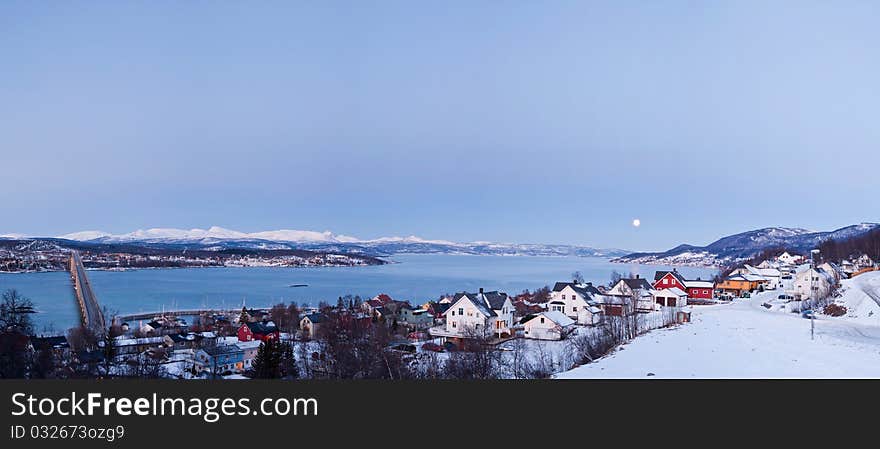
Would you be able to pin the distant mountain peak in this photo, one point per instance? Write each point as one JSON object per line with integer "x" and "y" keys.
{"x": 746, "y": 244}
{"x": 219, "y": 237}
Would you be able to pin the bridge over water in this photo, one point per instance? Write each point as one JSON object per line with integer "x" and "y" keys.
{"x": 91, "y": 315}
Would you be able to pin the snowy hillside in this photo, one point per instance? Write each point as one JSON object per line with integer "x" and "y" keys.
{"x": 746, "y": 244}
{"x": 861, "y": 297}
{"x": 745, "y": 340}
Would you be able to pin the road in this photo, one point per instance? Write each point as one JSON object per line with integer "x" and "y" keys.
{"x": 85, "y": 296}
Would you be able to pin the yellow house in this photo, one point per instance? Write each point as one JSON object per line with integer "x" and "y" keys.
{"x": 739, "y": 284}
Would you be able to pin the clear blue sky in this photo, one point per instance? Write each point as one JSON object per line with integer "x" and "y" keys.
{"x": 551, "y": 122}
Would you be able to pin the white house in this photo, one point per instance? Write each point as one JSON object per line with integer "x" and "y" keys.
{"x": 768, "y": 264}
{"x": 813, "y": 283}
{"x": 576, "y": 301}
{"x": 835, "y": 271}
{"x": 477, "y": 314}
{"x": 548, "y": 325}
{"x": 788, "y": 259}
{"x": 864, "y": 261}
{"x": 637, "y": 288}
{"x": 773, "y": 276}
{"x": 310, "y": 324}
{"x": 671, "y": 297}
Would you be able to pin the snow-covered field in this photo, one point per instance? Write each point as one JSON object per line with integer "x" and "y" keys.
{"x": 745, "y": 340}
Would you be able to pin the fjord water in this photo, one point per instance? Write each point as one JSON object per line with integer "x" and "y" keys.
{"x": 417, "y": 278}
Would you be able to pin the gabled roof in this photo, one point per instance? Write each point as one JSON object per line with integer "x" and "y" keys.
{"x": 481, "y": 306}
{"x": 384, "y": 298}
{"x": 261, "y": 328}
{"x": 585, "y": 290}
{"x": 554, "y": 316}
{"x": 316, "y": 317}
{"x": 637, "y": 283}
{"x": 495, "y": 299}
{"x": 660, "y": 274}
{"x": 375, "y": 303}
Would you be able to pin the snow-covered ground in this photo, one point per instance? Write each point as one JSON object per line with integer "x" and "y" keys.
{"x": 860, "y": 297}
{"x": 745, "y": 340}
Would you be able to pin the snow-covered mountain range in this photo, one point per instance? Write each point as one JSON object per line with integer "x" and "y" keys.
{"x": 221, "y": 238}
{"x": 747, "y": 244}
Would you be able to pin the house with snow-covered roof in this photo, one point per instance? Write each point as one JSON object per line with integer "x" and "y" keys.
{"x": 813, "y": 283}
{"x": 772, "y": 276}
{"x": 695, "y": 288}
{"x": 863, "y": 261}
{"x": 671, "y": 297}
{"x": 576, "y": 301}
{"x": 789, "y": 259}
{"x": 549, "y": 325}
{"x": 628, "y": 289}
{"x": 477, "y": 315}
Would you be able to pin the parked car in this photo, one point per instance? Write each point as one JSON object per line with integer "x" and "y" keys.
{"x": 785, "y": 298}
{"x": 787, "y": 276}
{"x": 807, "y": 314}
{"x": 430, "y": 346}
{"x": 404, "y": 347}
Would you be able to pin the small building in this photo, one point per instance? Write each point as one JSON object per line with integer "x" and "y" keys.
{"x": 634, "y": 294}
{"x": 788, "y": 259}
{"x": 258, "y": 331}
{"x": 369, "y": 306}
{"x": 863, "y": 261}
{"x": 437, "y": 309}
{"x": 548, "y": 325}
{"x": 219, "y": 360}
{"x": 813, "y": 283}
{"x": 576, "y": 301}
{"x": 310, "y": 324}
{"x": 695, "y": 288}
{"x": 126, "y": 346}
{"x": 740, "y": 284}
{"x": 414, "y": 318}
{"x": 249, "y": 351}
{"x": 671, "y": 297}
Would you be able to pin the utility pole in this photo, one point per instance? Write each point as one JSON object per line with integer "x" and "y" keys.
{"x": 813, "y": 298}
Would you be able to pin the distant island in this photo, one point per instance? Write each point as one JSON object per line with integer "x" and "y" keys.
{"x": 36, "y": 255}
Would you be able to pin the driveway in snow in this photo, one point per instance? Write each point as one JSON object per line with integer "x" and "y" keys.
{"x": 745, "y": 340}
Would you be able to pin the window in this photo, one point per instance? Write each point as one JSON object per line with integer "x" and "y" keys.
{"x": 574, "y": 309}
{"x": 563, "y": 296}
{"x": 542, "y": 320}
{"x": 454, "y": 324}
{"x": 461, "y": 311}
{"x": 665, "y": 281}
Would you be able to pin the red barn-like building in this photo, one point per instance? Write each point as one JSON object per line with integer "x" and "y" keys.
{"x": 695, "y": 288}
{"x": 258, "y": 331}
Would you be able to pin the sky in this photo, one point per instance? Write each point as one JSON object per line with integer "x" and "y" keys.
{"x": 538, "y": 122}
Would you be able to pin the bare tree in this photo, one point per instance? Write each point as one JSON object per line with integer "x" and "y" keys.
{"x": 15, "y": 313}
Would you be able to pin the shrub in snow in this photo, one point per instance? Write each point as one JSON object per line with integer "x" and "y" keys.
{"x": 834, "y": 310}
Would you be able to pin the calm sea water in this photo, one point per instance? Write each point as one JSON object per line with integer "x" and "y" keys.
{"x": 416, "y": 277}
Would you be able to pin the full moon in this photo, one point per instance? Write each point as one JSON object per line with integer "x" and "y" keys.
{"x": 637, "y": 222}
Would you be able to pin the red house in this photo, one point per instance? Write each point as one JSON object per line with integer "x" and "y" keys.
{"x": 695, "y": 288}
{"x": 258, "y": 331}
